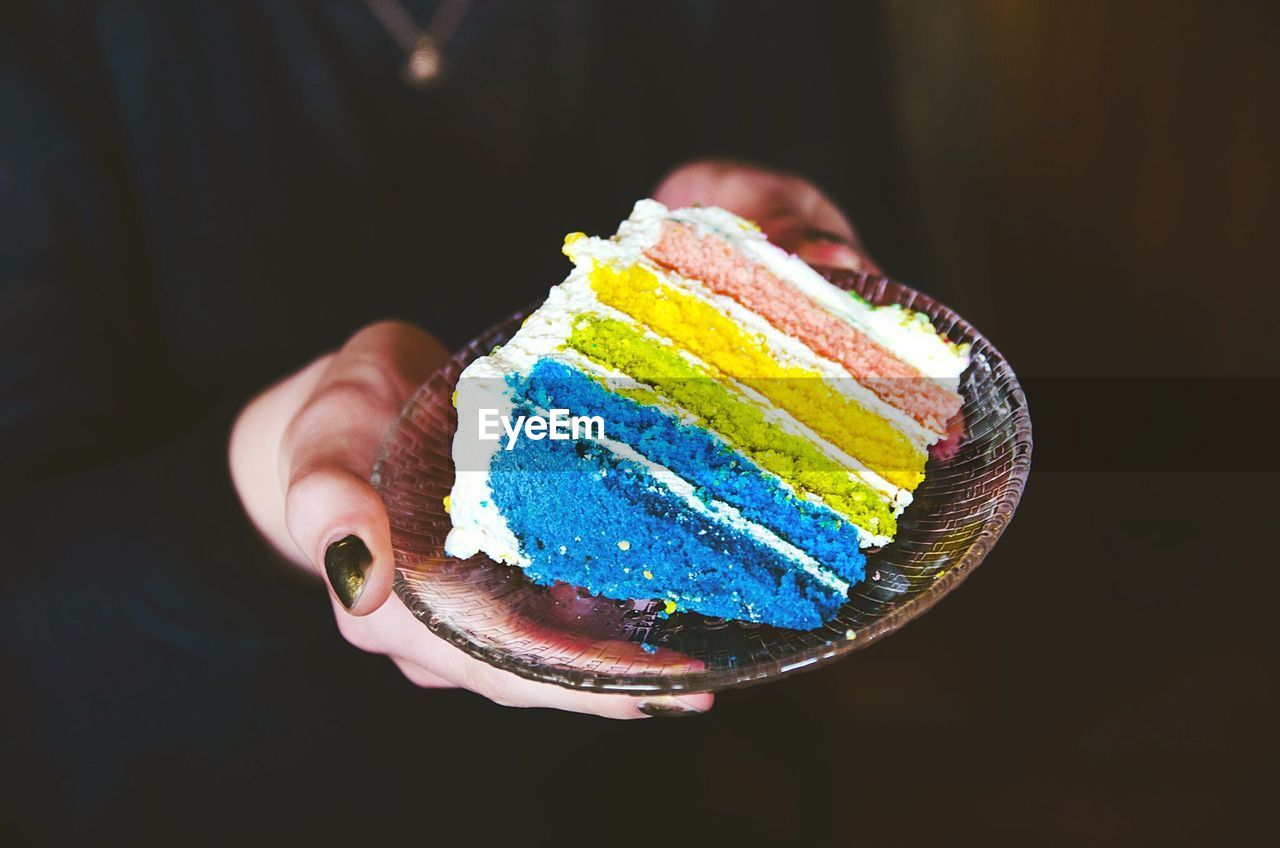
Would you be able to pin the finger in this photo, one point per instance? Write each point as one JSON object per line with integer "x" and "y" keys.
{"x": 815, "y": 229}
{"x": 393, "y": 629}
{"x": 826, "y": 249}
{"x": 503, "y": 687}
{"x": 419, "y": 676}
{"x": 332, "y": 512}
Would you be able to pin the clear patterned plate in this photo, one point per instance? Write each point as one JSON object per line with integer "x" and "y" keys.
{"x": 562, "y": 636}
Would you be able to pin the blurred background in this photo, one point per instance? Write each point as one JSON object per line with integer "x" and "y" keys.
{"x": 1091, "y": 184}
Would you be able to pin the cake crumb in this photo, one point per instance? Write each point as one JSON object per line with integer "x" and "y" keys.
{"x": 648, "y": 575}
{"x": 448, "y": 504}
{"x": 624, "y": 545}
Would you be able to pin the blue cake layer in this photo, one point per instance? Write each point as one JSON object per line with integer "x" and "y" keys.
{"x": 587, "y": 517}
{"x": 701, "y": 458}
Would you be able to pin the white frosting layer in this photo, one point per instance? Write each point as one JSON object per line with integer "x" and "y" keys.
{"x": 478, "y": 525}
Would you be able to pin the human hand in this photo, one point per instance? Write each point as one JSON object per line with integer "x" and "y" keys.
{"x": 301, "y": 454}
{"x": 793, "y": 212}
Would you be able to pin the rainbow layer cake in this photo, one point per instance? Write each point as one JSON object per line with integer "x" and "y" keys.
{"x": 697, "y": 417}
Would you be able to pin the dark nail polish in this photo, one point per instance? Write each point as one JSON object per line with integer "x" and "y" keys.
{"x": 345, "y": 562}
{"x": 667, "y": 707}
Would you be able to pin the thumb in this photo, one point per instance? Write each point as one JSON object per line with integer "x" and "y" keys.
{"x": 332, "y": 512}
{"x": 830, "y": 248}
{"x": 810, "y": 225}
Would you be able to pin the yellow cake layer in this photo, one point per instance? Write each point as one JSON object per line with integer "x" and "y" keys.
{"x": 717, "y": 340}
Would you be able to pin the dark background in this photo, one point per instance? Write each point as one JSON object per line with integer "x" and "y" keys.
{"x": 1093, "y": 185}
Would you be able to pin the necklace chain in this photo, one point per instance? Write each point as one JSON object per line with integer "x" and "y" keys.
{"x": 425, "y": 46}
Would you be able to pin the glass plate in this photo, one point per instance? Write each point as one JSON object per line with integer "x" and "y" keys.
{"x": 559, "y": 635}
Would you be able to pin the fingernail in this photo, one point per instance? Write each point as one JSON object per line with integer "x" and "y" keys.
{"x": 665, "y": 706}
{"x": 345, "y": 563}
{"x": 833, "y": 255}
{"x": 815, "y": 234}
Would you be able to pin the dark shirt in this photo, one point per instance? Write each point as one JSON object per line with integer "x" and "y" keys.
{"x": 196, "y": 199}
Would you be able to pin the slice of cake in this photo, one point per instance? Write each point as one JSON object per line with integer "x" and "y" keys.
{"x": 698, "y": 417}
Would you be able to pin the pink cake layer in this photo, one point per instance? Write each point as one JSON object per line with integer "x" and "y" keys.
{"x": 725, "y": 271}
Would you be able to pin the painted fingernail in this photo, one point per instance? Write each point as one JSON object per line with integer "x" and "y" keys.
{"x": 345, "y": 563}
{"x": 665, "y": 706}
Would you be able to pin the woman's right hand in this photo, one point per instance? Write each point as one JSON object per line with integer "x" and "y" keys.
{"x": 301, "y": 454}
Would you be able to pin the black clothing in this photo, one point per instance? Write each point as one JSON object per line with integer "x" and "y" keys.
{"x": 198, "y": 198}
